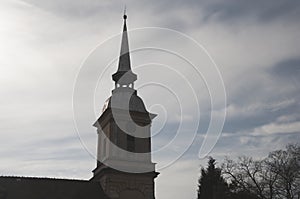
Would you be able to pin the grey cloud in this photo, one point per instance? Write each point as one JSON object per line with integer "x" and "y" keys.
{"x": 235, "y": 10}
{"x": 204, "y": 11}
{"x": 260, "y": 10}
{"x": 250, "y": 144}
{"x": 288, "y": 69}
{"x": 259, "y": 117}
{"x": 73, "y": 8}
{"x": 265, "y": 101}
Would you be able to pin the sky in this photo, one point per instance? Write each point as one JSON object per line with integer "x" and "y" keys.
{"x": 196, "y": 61}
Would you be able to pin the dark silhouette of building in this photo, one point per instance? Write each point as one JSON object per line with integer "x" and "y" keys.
{"x": 124, "y": 168}
{"x": 49, "y": 188}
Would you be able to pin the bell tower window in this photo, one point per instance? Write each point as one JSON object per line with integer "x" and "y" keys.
{"x": 130, "y": 143}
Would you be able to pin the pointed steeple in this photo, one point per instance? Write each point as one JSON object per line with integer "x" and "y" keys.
{"x": 124, "y": 76}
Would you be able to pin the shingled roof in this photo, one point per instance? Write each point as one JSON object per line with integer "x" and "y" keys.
{"x": 49, "y": 188}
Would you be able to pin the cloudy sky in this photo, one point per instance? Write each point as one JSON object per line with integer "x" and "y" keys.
{"x": 59, "y": 54}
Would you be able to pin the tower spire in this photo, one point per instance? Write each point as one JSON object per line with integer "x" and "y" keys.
{"x": 124, "y": 76}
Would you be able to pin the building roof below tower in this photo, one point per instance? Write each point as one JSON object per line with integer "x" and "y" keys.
{"x": 49, "y": 188}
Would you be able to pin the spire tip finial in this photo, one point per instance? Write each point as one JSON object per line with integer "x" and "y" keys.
{"x": 125, "y": 16}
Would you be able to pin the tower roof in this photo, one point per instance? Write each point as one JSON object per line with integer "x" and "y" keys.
{"x": 124, "y": 74}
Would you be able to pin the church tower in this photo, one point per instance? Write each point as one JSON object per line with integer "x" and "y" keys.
{"x": 124, "y": 166}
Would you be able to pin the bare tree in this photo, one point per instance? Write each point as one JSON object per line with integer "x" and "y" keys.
{"x": 275, "y": 177}
{"x": 286, "y": 165}
{"x": 269, "y": 179}
{"x": 246, "y": 175}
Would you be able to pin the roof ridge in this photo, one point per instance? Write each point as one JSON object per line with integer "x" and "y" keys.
{"x": 42, "y": 178}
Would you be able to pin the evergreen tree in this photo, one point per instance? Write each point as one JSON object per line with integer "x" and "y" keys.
{"x": 211, "y": 183}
